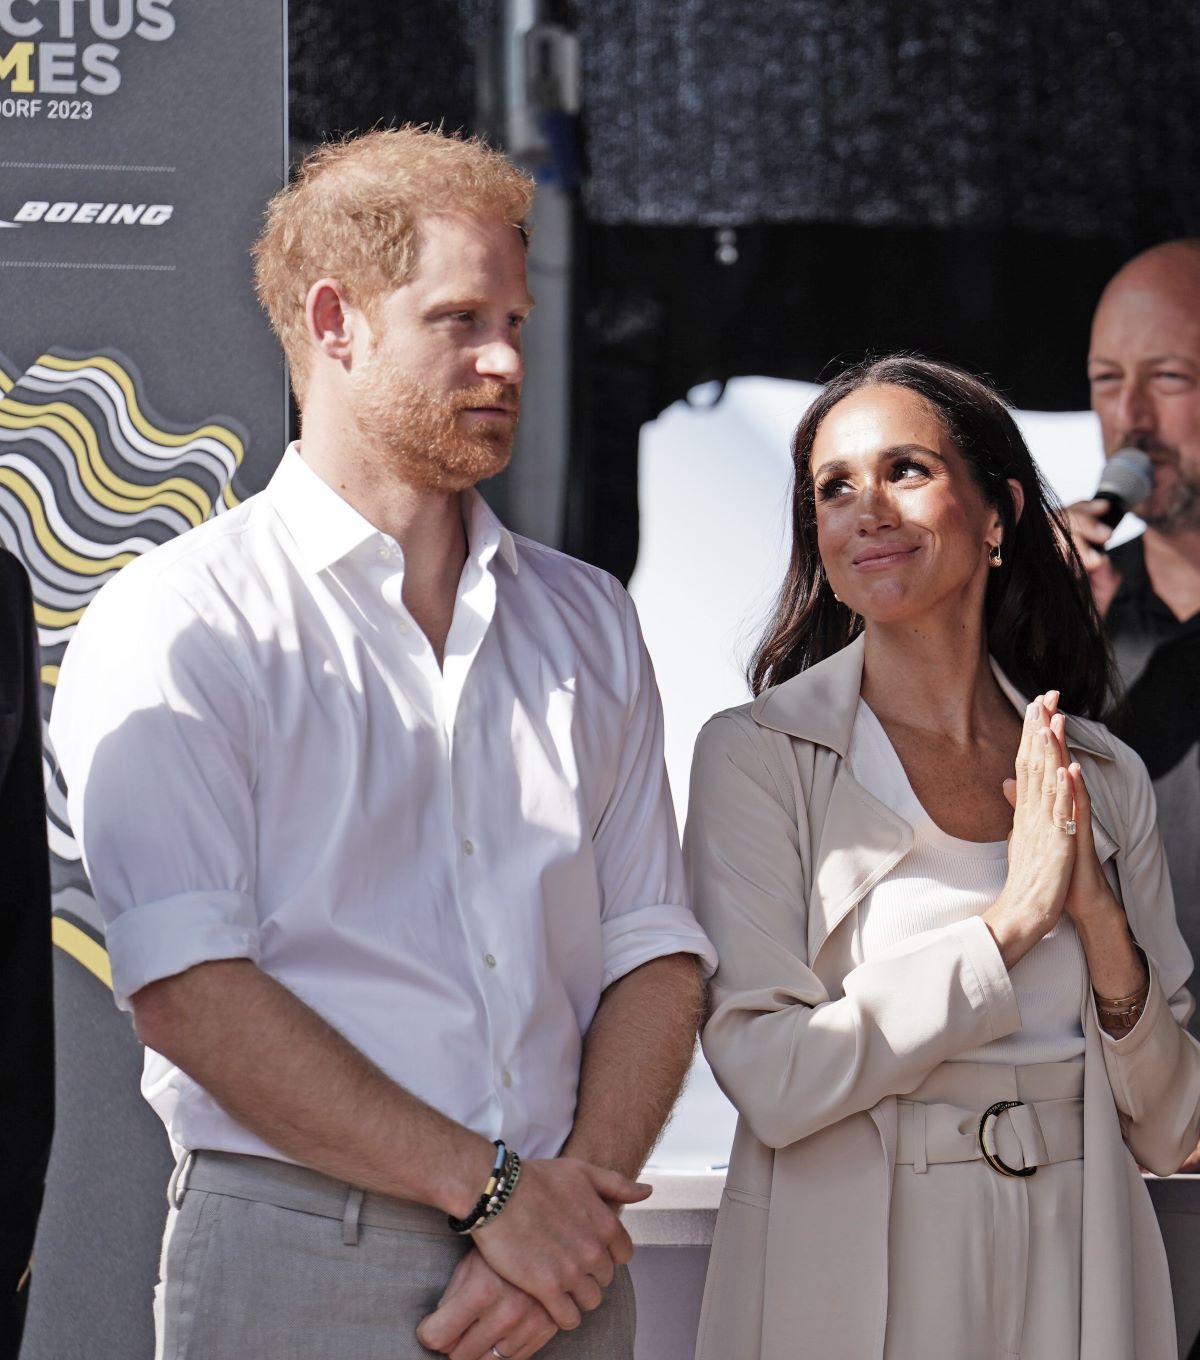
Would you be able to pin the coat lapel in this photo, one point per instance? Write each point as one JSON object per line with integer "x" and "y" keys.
{"x": 860, "y": 842}
{"x": 857, "y": 838}
{"x": 864, "y": 838}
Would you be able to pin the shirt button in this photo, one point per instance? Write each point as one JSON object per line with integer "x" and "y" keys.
{"x": 490, "y": 960}
{"x": 506, "y": 1077}
{"x": 468, "y": 848}
{"x": 384, "y": 554}
{"x": 401, "y": 626}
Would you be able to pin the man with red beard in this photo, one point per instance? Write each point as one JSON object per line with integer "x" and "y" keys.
{"x": 1144, "y": 372}
{"x": 372, "y": 797}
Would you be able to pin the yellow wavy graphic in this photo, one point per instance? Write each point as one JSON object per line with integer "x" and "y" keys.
{"x": 82, "y": 948}
{"x": 90, "y": 478}
{"x": 99, "y": 480}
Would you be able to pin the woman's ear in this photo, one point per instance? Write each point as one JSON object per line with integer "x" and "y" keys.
{"x": 1017, "y": 491}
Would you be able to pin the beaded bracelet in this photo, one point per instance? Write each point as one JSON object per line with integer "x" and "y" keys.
{"x": 506, "y": 1171}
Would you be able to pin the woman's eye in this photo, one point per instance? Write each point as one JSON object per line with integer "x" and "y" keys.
{"x": 907, "y": 468}
{"x": 833, "y": 487}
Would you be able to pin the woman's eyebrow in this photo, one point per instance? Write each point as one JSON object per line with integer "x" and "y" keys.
{"x": 904, "y": 450}
{"x": 839, "y": 467}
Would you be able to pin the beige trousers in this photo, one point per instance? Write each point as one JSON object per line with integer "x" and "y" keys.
{"x": 267, "y": 1261}
{"x": 984, "y": 1265}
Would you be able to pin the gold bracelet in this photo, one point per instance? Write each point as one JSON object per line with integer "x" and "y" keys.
{"x": 1120, "y": 1003}
{"x": 1120, "y": 1020}
{"x": 1122, "y": 1013}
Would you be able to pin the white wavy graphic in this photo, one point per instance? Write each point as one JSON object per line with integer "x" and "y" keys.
{"x": 89, "y": 480}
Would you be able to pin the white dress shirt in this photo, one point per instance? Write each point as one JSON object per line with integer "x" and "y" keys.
{"x": 264, "y": 761}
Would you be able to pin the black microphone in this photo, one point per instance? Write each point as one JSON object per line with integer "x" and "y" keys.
{"x": 1127, "y": 480}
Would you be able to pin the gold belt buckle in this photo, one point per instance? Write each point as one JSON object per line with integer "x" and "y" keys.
{"x": 990, "y": 1157}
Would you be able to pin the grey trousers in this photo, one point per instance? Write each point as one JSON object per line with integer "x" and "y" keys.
{"x": 265, "y": 1261}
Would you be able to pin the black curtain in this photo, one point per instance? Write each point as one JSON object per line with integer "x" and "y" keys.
{"x": 780, "y": 187}
{"x": 957, "y": 177}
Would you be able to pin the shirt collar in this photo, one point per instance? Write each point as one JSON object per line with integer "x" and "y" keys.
{"x": 327, "y": 528}
{"x": 819, "y": 704}
{"x": 486, "y": 536}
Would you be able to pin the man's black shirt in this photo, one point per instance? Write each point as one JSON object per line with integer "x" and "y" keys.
{"x": 1158, "y": 656}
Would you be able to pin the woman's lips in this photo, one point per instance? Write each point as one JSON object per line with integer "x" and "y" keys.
{"x": 876, "y": 559}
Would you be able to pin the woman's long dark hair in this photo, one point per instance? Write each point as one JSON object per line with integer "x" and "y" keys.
{"x": 1042, "y": 626}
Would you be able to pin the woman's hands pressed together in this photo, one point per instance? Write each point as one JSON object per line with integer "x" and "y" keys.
{"x": 1052, "y": 862}
{"x": 1042, "y": 850}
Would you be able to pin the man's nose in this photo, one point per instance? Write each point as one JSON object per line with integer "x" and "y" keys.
{"x": 1134, "y": 411}
{"x": 501, "y": 359}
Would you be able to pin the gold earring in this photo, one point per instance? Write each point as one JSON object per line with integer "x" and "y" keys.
{"x": 994, "y": 557}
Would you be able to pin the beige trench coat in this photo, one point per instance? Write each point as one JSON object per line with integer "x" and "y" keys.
{"x": 812, "y": 1044}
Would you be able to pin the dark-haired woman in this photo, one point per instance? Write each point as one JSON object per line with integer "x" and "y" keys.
{"x": 951, "y": 990}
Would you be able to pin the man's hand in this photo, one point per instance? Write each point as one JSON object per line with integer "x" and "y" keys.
{"x": 558, "y": 1238}
{"x": 1090, "y": 536}
{"x": 480, "y": 1310}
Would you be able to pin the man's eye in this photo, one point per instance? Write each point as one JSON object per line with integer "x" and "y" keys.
{"x": 1098, "y": 378}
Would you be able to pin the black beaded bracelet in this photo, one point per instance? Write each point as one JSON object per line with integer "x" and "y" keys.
{"x": 506, "y": 1171}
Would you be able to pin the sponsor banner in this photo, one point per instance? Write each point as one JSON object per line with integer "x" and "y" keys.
{"x": 141, "y": 392}
{"x": 140, "y": 388}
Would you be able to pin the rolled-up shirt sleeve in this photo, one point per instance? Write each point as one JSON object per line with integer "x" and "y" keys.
{"x": 644, "y": 911}
{"x": 153, "y": 727}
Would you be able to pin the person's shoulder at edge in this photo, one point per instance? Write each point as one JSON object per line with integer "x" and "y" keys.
{"x": 15, "y": 588}
{"x": 11, "y": 565}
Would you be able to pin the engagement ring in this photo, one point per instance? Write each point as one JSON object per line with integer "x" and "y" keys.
{"x": 1070, "y": 827}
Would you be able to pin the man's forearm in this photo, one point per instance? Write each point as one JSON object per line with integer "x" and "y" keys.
{"x": 278, "y": 1068}
{"x": 635, "y": 1057}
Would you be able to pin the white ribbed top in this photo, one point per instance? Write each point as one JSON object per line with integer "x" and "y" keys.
{"x": 943, "y": 880}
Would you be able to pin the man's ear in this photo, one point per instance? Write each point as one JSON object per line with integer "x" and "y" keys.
{"x": 330, "y": 323}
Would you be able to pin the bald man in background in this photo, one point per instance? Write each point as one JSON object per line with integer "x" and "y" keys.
{"x": 1144, "y": 373}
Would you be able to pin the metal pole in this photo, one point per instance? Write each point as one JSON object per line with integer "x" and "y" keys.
{"x": 529, "y": 100}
